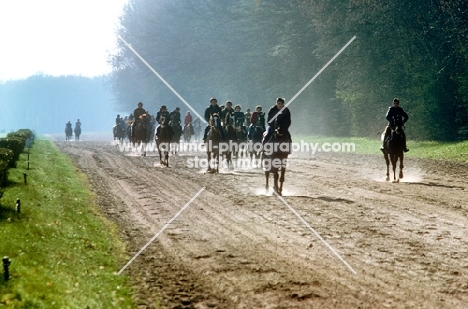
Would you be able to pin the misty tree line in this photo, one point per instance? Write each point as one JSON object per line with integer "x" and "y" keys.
{"x": 45, "y": 103}
{"x": 252, "y": 51}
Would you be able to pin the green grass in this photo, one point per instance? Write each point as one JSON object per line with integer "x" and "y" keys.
{"x": 64, "y": 253}
{"x": 451, "y": 151}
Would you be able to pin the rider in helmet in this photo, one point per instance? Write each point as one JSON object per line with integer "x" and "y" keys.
{"x": 209, "y": 111}
{"x": 163, "y": 117}
{"x": 396, "y": 116}
{"x": 282, "y": 116}
{"x": 175, "y": 116}
{"x": 227, "y": 111}
{"x": 257, "y": 118}
{"x": 247, "y": 116}
{"x": 139, "y": 112}
{"x": 239, "y": 116}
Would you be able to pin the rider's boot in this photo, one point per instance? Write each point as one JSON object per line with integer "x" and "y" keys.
{"x": 405, "y": 149}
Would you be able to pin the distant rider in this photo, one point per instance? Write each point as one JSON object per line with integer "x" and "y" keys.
{"x": 396, "y": 116}
{"x": 256, "y": 119}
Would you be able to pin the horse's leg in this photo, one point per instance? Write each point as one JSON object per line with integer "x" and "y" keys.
{"x": 208, "y": 153}
{"x": 158, "y": 145}
{"x": 401, "y": 165}
{"x": 394, "y": 158}
{"x": 217, "y": 161}
{"x": 267, "y": 176}
{"x": 387, "y": 161}
{"x": 281, "y": 180}
{"x": 275, "y": 183}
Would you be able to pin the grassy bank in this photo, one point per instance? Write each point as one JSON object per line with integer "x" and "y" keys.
{"x": 453, "y": 151}
{"x": 64, "y": 253}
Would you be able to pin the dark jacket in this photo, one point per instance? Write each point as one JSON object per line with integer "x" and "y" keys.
{"x": 239, "y": 118}
{"x": 283, "y": 120}
{"x": 396, "y": 116}
{"x": 176, "y": 117}
{"x": 163, "y": 118}
{"x": 212, "y": 110}
{"x": 138, "y": 112}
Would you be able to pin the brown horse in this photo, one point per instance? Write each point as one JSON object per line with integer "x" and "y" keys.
{"x": 163, "y": 142}
{"x": 188, "y": 130}
{"x": 139, "y": 133}
{"x": 275, "y": 155}
{"x": 213, "y": 140}
{"x": 231, "y": 138}
{"x": 394, "y": 152}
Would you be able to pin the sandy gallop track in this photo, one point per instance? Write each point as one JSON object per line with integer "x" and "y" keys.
{"x": 237, "y": 247}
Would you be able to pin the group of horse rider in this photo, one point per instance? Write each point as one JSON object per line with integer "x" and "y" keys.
{"x": 68, "y": 125}
{"x": 278, "y": 116}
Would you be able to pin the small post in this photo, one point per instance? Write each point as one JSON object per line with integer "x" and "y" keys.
{"x": 6, "y": 264}
{"x": 25, "y": 176}
{"x": 18, "y": 205}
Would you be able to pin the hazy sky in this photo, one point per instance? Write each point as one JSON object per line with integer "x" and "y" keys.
{"x": 57, "y": 37}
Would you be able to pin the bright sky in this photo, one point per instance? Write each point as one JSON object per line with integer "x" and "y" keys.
{"x": 57, "y": 37}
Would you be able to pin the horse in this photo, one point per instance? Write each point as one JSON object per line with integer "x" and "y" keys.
{"x": 256, "y": 138}
{"x": 213, "y": 139}
{"x": 140, "y": 132}
{"x": 177, "y": 129}
{"x": 394, "y": 151}
{"x": 241, "y": 132}
{"x": 77, "y": 133}
{"x": 275, "y": 154}
{"x": 231, "y": 138}
{"x": 68, "y": 133}
{"x": 197, "y": 129}
{"x": 163, "y": 143}
{"x": 188, "y": 129}
{"x": 119, "y": 132}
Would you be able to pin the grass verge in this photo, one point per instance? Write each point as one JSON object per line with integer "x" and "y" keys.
{"x": 452, "y": 151}
{"x": 64, "y": 253}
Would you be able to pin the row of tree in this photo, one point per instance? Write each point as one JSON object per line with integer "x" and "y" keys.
{"x": 46, "y": 103}
{"x": 252, "y": 51}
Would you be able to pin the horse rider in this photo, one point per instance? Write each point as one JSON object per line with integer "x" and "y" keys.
{"x": 163, "y": 117}
{"x": 118, "y": 120}
{"x": 139, "y": 112}
{"x": 396, "y": 116}
{"x": 281, "y": 116}
{"x": 228, "y": 111}
{"x": 78, "y": 123}
{"x": 239, "y": 116}
{"x": 209, "y": 111}
{"x": 175, "y": 116}
{"x": 256, "y": 119}
{"x": 247, "y": 116}
{"x": 188, "y": 121}
{"x": 68, "y": 125}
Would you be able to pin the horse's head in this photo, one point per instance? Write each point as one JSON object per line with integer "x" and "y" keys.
{"x": 397, "y": 130}
{"x": 214, "y": 120}
{"x": 230, "y": 120}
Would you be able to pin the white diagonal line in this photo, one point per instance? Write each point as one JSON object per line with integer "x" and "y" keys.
{"x": 313, "y": 78}
{"x": 161, "y": 78}
{"x": 316, "y": 234}
{"x": 159, "y": 233}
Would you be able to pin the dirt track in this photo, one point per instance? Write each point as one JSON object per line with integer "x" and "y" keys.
{"x": 237, "y": 247}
